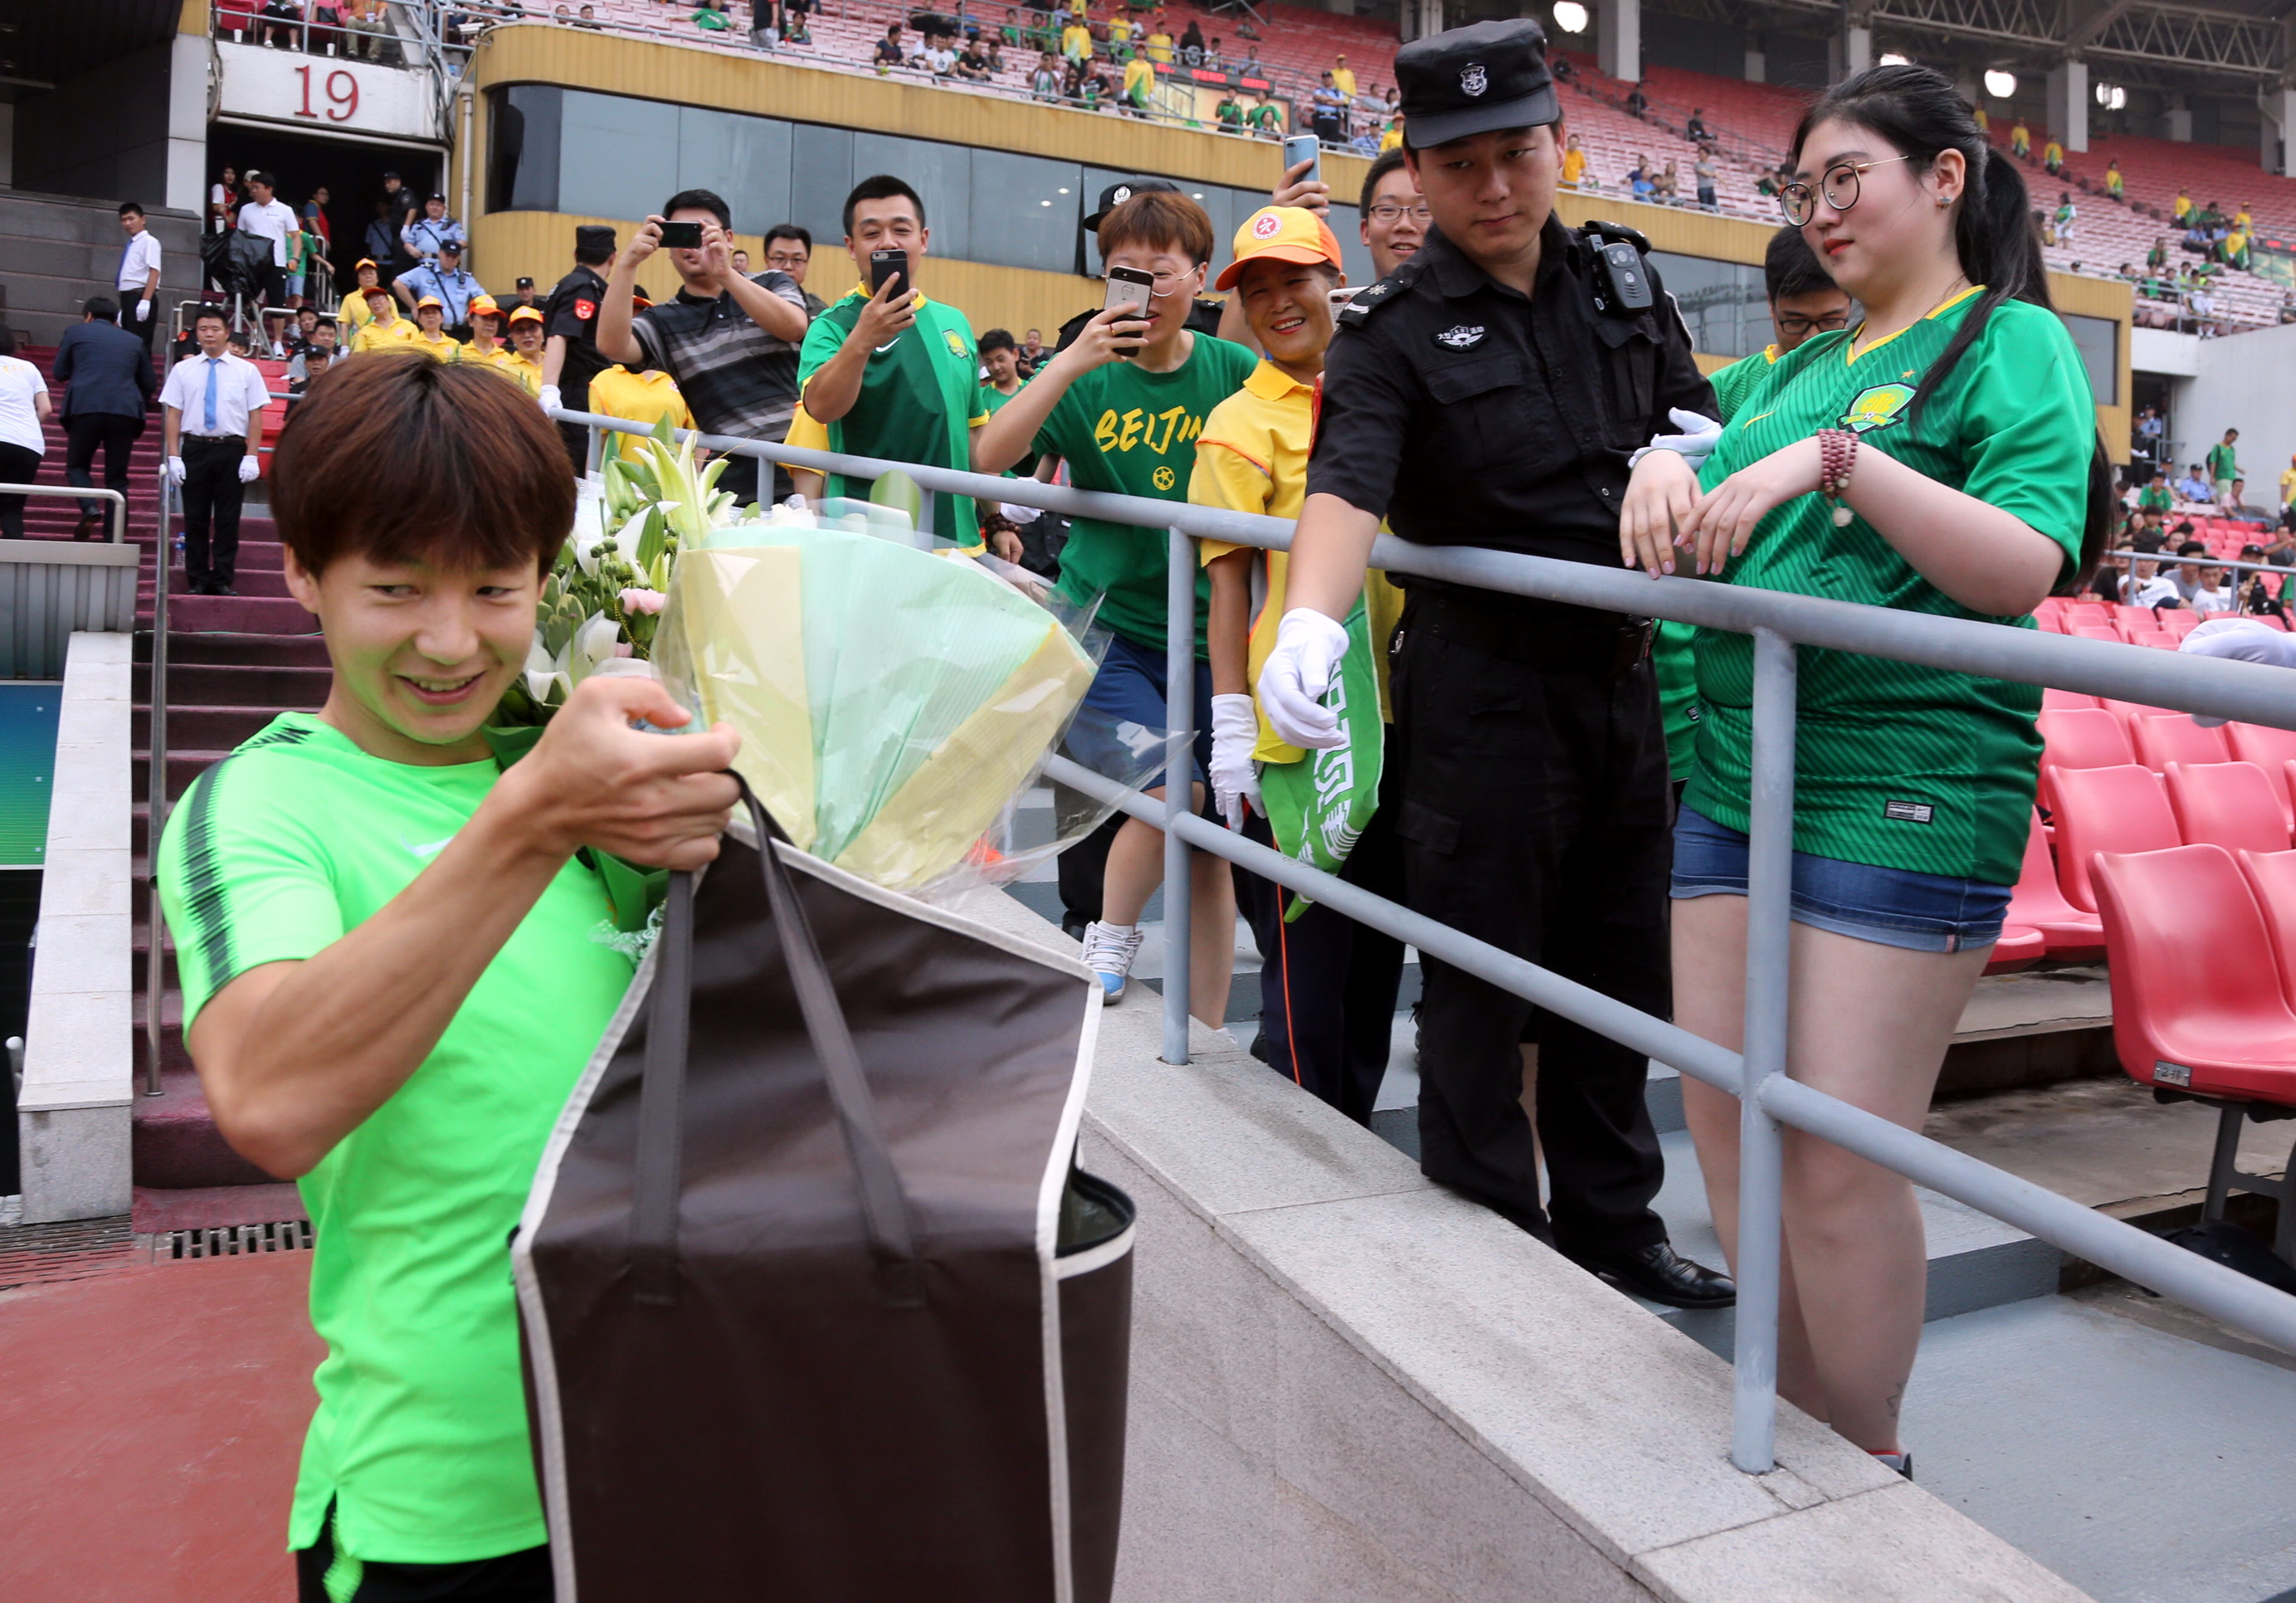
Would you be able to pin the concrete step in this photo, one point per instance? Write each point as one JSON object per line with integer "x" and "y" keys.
{"x": 246, "y": 579}
{"x": 161, "y": 1210}
{"x": 268, "y": 686}
{"x": 184, "y": 766}
{"x": 211, "y": 728}
{"x": 232, "y": 614}
{"x": 177, "y": 1146}
{"x": 187, "y": 650}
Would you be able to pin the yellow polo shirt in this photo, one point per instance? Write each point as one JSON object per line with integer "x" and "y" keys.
{"x": 525, "y": 371}
{"x": 1343, "y": 79}
{"x": 1252, "y": 456}
{"x": 440, "y": 347}
{"x": 642, "y": 398}
{"x": 393, "y": 335}
{"x": 355, "y": 311}
{"x": 1139, "y": 80}
{"x": 1574, "y": 163}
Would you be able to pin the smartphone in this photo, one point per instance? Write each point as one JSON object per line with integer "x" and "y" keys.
{"x": 1129, "y": 288}
{"x": 1304, "y": 147}
{"x": 883, "y": 264}
{"x": 681, "y": 237}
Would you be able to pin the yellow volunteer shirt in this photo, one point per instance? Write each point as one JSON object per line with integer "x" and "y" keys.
{"x": 1574, "y": 163}
{"x": 1252, "y": 456}
{"x": 1139, "y": 78}
{"x": 440, "y": 347}
{"x": 355, "y": 311}
{"x": 644, "y": 398}
{"x": 1392, "y": 140}
{"x": 526, "y": 372}
{"x": 394, "y": 335}
{"x": 1343, "y": 79}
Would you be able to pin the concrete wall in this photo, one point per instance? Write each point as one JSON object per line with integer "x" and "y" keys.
{"x": 48, "y": 589}
{"x": 2248, "y": 383}
{"x": 103, "y": 135}
{"x": 72, "y": 1114}
{"x": 55, "y": 251}
{"x": 1350, "y": 1385}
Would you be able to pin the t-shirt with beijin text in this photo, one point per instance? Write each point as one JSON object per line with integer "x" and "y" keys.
{"x": 1900, "y": 765}
{"x": 1123, "y": 429}
{"x": 276, "y": 851}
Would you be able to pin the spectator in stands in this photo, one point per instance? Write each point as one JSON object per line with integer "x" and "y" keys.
{"x": 213, "y": 404}
{"x": 444, "y": 280}
{"x": 2213, "y": 595}
{"x": 1076, "y": 44}
{"x": 137, "y": 292}
{"x": 1032, "y": 352}
{"x": 430, "y": 336}
{"x": 765, "y": 24}
{"x": 789, "y": 248}
{"x": 326, "y": 969}
{"x": 1264, "y": 120}
{"x": 1124, "y": 364}
{"x": 973, "y": 66}
{"x": 423, "y": 237}
{"x": 1640, "y": 184}
{"x": 794, "y": 29}
{"x": 106, "y": 372}
{"x": 1139, "y": 85}
{"x": 2020, "y": 140}
{"x": 268, "y": 217}
{"x": 1695, "y": 129}
{"x": 2187, "y": 575}
{"x": 708, "y": 16}
{"x": 870, "y": 391}
{"x": 1044, "y": 82}
{"x": 223, "y": 198}
{"x": 367, "y": 24}
{"x": 1924, "y": 225}
{"x": 2224, "y": 464}
{"x": 326, "y": 338}
{"x": 2067, "y": 212}
{"x": 1391, "y": 138}
{"x": 1158, "y": 47}
{"x": 24, "y": 408}
{"x": 2235, "y": 250}
{"x": 1637, "y": 102}
{"x": 2203, "y": 308}
{"x": 1327, "y": 111}
{"x": 889, "y": 53}
{"x": 488, "y": 321}
{"x": 311, "y": 367}
{"x": 2192, "y": 486}
{"x": 525, "y": 359}
{"x": 385, "y": 329}
{"x": 1252, "y": 67}
{"x": 1229, "y": 113}
{"x": 279, "y": 24}
{"x": 2234, "y": 505}
{"x": 2154, "y": 496}
{"x": 2114, "y": 185}
{"x": 1214, "y": 61}
{"x": 1705, "y": 172}
{"x": 940, "y": 58}
{"x": 2147, "y": 586}
{"x": 730, "y": 342}
{"x": 1191, "y": 46}
{"x": 1394, "y": 215}
{"x": 1667, "y": 185}
{"x": 2052, "y": 156}
{"x": 2156, "y": 259}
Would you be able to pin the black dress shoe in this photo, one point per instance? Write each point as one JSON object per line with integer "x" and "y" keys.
{"x": 1661, "y": 1274}
{"x": 221, "y": 590}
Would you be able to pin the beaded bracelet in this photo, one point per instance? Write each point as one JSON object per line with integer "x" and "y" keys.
{"x": 1837, "y": 454}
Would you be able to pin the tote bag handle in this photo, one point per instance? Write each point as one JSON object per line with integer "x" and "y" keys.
{"x": 653, "y": 1220}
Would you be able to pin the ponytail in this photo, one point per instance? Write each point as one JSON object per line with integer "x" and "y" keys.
{"x": 1919, "y": 112}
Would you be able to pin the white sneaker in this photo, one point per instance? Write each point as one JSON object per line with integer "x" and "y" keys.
{"x": 1109, "y": 949}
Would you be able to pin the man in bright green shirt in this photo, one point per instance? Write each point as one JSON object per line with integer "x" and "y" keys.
{"x": 396, "y": 955}
{"x": 2224, "y": 467}
{"x": 893, "y": 375}
{"x": 2155, "y": 496}
{"x": 1123, "y": 405}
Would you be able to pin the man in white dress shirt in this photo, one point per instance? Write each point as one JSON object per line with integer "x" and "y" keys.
{"x": 214, "y": 404}
{"x": 138, "y": 276}
{"x": 270, "y": 218}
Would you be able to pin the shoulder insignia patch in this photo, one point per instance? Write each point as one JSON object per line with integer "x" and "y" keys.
{"x": 1461, "y": 336}
{"x": 955, "y": 343}
{"x": 1876, "y": 407}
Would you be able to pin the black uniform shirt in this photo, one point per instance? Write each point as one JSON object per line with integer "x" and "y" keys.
{"x": 573, "y": 311}
{"x": 1466, "y": 414}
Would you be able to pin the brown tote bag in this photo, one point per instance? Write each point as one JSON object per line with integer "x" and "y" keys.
{"x": 816, "y": 1306}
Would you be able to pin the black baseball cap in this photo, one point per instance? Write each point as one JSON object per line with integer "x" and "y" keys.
{"x": 1475, "y": 79}
{"x": 593, "y": 236}
{"x": 525, "y": 282}
{"x": 1115, "y": 194}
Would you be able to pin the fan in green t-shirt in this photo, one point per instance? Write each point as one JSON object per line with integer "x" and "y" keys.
{"x": 1122, "y": 406}
{"x": 2224, "y": 464}
{"x": 397, "y": 956}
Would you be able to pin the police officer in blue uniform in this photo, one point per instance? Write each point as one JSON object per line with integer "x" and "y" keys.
{"x": 1488, "y": 392}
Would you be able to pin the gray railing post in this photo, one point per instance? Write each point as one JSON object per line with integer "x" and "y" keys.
{"x": 1179, "y": 787}
{"x": 1770, "y": 897}
{"x": 155, "y": 808}
{"x": 593, "y": 451}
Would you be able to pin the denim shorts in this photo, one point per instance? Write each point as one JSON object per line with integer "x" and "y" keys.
{"x": 1894, "y": 907}
{"x": 1124, "y": 715}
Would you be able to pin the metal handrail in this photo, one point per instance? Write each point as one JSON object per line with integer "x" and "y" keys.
{"x": 1779, "y": 621}
{"x": 155, "y": 939}
{"x": 81, "y": 493}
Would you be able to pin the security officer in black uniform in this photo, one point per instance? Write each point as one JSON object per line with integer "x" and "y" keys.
{"x": 569, "y": 326}
{"x": 1488, "y": 392}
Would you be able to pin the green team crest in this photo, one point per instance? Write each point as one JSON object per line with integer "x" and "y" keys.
{"x": 1876, "y": 407}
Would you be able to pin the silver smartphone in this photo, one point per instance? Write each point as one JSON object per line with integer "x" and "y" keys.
{"x": 1304, "y": 147}
{"x": 1129, "y": 289}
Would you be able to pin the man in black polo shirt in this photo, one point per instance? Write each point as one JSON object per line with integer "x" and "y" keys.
{"x": 731, "y": 342}
{"x": 1488, "y": 391}
{"x": 570, "y": 324}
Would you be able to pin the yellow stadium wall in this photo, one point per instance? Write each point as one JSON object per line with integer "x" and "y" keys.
{"x": 509, "y": 244}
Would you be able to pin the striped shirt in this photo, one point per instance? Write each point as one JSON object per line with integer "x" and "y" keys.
{"x": 736, "y": 378}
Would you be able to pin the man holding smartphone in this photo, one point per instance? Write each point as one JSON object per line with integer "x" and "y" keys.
{"x": 730, "y": 341}
{"x": 886, "y": 372}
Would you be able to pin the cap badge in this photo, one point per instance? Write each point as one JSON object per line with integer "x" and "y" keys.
{"x": 1474, "y": 80}
{"x": 1462, "y": 337}
{"x": 1120, "y": 194}
{"x": 1268, "y": 226}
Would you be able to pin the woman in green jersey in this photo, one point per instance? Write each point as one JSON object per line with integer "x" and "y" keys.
{"x": 397, "y": 956}
{"x": 1955, "y": 428}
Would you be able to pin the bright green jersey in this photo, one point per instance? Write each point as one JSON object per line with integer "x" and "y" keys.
{"x": 1733, "y": 384}
{"x": 2156, "y": 497}
{"x": 2222, "y": 467}
{"x": 1134, "y": 433}
{"x": 275, "y": 852}
{"x": 993, "y": 401}
{"x": 1901, "y": 766}
{"x": 919, "y": 397}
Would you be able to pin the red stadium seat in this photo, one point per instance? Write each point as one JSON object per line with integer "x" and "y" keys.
{"x": 2196, "y": 998}
{"x": 2038, "y": 903}
{"x": 2134, "y": 617}
{"x": 2095, "y": 631}
{"x": 2077, "y": 613}
{"x": 2163, "y": 738}
{"x": 2081, "y": 737}
{"x": 2019, "y": 947}
{"x": 2226, "y": 804}
{"x": 2159, "y": 640}
{"x": 2118, "y": 809}
{"x": 2180, "y": 622}
{"x": 2272, "y": 875}
{"x": 2271, "y": 620}
{"x": 2271, "y": 750}
{"x": 2054, "y": 700}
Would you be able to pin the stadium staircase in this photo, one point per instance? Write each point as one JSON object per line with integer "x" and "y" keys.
{"x": 234, "y": 663}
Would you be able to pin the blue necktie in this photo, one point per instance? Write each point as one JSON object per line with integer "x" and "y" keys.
{"x": 213, "y": 362}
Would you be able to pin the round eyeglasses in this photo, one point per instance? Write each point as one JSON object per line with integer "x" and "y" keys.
{"x": 1838, "y": 184}
{"x": 1387, "y": 212}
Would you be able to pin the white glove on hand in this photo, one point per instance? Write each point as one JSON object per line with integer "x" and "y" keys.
{"x": 1235, "y": 730}
{"x": 1694, "y": 444}
{"x": 175, "y": 470}
{"x": 1308, "y": 647}
{"x": 250, "y": 468}
{"x": 143, "y": 310}
{"x": 550, "y": 399}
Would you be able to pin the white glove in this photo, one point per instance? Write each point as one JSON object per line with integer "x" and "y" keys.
{"x": 550, "y": 399}
{"x": 175, "y": 470}
{"x": 250, "y": 468}
{"x": 1308, "y": 647}
{"x": 144, "y": 310}
{"x": 1235, "y": 730}
{"x": 1694, "y": 445}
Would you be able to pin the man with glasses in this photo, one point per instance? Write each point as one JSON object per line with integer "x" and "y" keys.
{"x": 1488, "y": 392}
{"x": 789, "y": 248}
{"x": 1395, "y": 214}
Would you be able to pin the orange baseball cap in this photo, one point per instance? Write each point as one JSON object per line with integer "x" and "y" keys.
{"x": 526, "y": 314}
{"x": 430, "y": 300}
{"x": 484, "y": 303}
{"x": 1281, "y": 233}
{"x": 375, "y": 289}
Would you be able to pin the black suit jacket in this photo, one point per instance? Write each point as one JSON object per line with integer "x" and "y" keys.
{"x": 103, "y": 368}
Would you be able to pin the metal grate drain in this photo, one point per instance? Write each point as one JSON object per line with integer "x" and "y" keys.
{"x": 235, "y": 1241}
{"x": 33, "y": 1255}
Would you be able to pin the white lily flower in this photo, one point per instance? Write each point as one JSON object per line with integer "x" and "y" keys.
{"x": 592, "y": 644}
